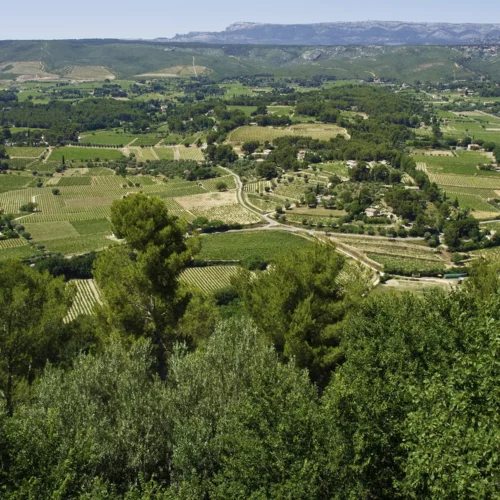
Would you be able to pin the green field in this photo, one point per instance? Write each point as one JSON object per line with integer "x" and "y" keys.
{"x": 107, "y": 138}
{"x": 267, "y": 245}
{"x": 96, "y": 226}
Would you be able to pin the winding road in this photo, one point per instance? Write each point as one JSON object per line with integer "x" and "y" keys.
{"x": 273, "y": 225}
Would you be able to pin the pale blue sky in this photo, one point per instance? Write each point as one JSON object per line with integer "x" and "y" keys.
{"x": 50, "y": 19}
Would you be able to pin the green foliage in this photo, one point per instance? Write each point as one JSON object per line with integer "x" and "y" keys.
{"x": 299, "y": 303}
{"x": 32, "y": 309}
{"x": 103, "y": 420}
{"x": 140, "y": 282}
{"x": 243, "y": 422}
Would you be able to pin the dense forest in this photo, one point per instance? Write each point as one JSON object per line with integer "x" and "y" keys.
{"x": 294, "y": 383}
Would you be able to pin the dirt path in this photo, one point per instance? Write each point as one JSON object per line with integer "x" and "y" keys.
{"x": 154, "y": 154}
{"x": 177, "y": 153}
{"x": 194, "y": 69}
{"x": 50, "y": 149}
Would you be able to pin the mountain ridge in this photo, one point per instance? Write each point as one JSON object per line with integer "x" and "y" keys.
{"x": 349, "y": 33}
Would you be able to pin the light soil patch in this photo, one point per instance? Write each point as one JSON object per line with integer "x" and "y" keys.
{"x": 468, "y": 113}
{"x": 493, "y": 129}
{"x": 317, "y": 211}
{"x": 180, "y": 71}
{"x": 76, "y": 171}
{"x": 91, "y": 202}
{"x": 89, "y": 73}
{"x": 208, "y": 200}
{"x": 423, "y": 67}
{"x": 29, "y": 70}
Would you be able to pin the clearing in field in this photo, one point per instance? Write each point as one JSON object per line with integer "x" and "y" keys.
{"x": 208, "y": 200}
{"x": 179, "y": 72}
{"x": 28, "y": 70}
{"x": 89, "y": 73}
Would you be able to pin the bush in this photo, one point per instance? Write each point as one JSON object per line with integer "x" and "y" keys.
{"x": 221, "y": 186}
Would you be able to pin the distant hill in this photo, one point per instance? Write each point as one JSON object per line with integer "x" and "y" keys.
{"x": 343, "y": 33}
{"x": 99, "y": 59}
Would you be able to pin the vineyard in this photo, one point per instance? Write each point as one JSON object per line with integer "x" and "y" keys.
{"x": 267, "y": 245}
{"x": 209, "y": 279}
{"x": 191, "y": 153}
{"x": 24, "y": 152}
{"x": 106, "y": 138}
{"x": 262, "y": 134}
{"x": 397, "y": 256}
{"x": 78, "y": 154}
{"x": 476, "y": 200}
{"x": 12, "y": 243}
{"x": 407, "y": 267}
{"x": 464, "y": 163}
{"x": 75, "y": 219}
{"x": 86, "y": 298}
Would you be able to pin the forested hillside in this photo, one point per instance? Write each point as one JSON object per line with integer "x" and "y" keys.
{"x": 100, "y": 59}
{"x": 295, "y": 384}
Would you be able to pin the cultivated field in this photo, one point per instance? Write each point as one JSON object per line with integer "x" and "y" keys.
{"x": 24, "y": 152}
{"x": 462, "y": 163}
{"x": 210, "y": 278}
{"x": 268, "y": 245}
{"x": 76, "y": 220}
{"x": 262, "y": 134}
{"x": 78, "y": 154}
{"x": 86, "y": 298}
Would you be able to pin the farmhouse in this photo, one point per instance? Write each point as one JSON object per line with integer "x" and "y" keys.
{"x": 372, "y": 212}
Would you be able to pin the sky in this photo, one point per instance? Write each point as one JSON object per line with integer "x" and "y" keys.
{"x": 56, "y": 19}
